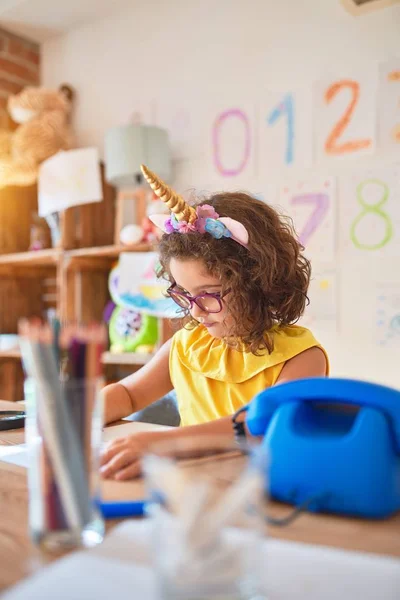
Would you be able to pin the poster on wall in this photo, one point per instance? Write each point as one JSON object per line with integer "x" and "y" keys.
{"x": 389, "y": 105}
{"x": 370, "y": 212}
{"x": 387, "y": 322}
{"x": 232, "y": 139}
{"x": 69, "y": 178}
{"x": 311, "y": 203}
{"x": 345, "y": 116}
{"x": 322, "y": 311}
{"x": 284, "y": 130}
{"x": 185, "y": 126}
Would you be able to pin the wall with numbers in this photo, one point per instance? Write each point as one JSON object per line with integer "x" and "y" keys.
{"x": 296, "y": 102}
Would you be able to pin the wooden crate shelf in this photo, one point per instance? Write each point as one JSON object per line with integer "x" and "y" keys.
{"x": 36, "y": 258}
{"x": 125, "y": 358}
{"x": 14, "y": 354}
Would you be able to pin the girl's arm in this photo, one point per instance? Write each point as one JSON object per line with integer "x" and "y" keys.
{"x": 140, "y": 389}
{"x": 121, "y": 459}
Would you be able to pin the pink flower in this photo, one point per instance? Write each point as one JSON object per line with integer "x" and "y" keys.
{"x": 204, "y": 212}
{"x": 184, "y": 227}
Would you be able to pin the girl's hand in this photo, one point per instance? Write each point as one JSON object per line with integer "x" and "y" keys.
{"x": 121, "y": 458}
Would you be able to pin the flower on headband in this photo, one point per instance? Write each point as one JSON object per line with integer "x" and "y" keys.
{"x": 168, "y": 226}
{"x": 184, "y": 227}
{"x": 217, "y": 229}
{"x": 204, "y": 212}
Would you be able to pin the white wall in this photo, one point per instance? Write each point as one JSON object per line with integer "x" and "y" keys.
{"x": 200, "y": 54}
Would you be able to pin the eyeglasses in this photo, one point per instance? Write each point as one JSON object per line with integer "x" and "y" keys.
{"x": 210, "y": 303}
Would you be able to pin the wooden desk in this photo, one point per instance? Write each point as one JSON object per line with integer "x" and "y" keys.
{"x": 19, "y": 558}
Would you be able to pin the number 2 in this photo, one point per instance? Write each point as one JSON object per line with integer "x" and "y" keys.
{"x": 331, "y": 145}
{"x": 321, "y": 207}
{"x": 285, "y": 107}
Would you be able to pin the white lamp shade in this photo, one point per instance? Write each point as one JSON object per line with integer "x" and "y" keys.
{"x": 127, "y": 147}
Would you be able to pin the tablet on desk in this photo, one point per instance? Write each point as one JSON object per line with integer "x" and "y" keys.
{"x": 11, "y": 419}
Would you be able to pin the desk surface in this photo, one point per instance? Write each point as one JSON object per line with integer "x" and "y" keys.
{"x": 19, "y": 558}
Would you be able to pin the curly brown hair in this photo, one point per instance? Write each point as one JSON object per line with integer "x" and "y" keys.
{"x": 269, "y": 279}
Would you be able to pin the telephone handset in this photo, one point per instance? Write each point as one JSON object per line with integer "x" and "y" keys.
{"x": 327, "y": 391}
{"x": 348, "y": 460}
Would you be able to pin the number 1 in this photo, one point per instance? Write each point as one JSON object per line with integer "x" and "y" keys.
{"x": 321, "y": 203}
{"x": 285, "y": 108}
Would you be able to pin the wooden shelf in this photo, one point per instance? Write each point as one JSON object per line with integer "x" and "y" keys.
{"x": 106, "y": 251}
{"x": 14, "y": 354}
{"x": 126, "y": 358}
{"x": 108, "y": 358}
{"x": 40, "y": 258}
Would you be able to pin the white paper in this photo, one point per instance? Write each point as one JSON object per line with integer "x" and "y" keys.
{"x": 232, "y": 141}
{"x": 16, "y": 455}
{"x": 389, "y": 105}
{"x": 322, "y": 293}
{"x": 285, "y": 131}
{"x": 122, "y": 568}
{"x": 312, "y": 205}
{"x": 185, "y": 126}
{"x": 370, "y": 212}
{"x": 69, "y": 179}
{"x": 387, "y": 321}
{"x": 345, "y": 115}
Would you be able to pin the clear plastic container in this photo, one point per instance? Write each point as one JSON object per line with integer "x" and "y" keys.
{"x": 207, "y": 502}
{"x": 63, "y": 435}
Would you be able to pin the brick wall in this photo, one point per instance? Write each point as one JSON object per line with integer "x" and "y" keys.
{"x": 19, "y": 67}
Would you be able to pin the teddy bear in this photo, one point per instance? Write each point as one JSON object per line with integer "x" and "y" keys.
{"x": 44, "y": 130}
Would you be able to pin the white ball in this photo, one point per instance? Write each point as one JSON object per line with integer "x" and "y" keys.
{"x": 131, "y": 234}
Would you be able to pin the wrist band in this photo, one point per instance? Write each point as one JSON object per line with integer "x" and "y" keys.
{"x": 238, "y": 426}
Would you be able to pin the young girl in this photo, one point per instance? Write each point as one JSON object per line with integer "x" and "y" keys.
{"x": 238, "y": 274}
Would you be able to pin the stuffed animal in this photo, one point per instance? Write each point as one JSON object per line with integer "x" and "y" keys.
{"x": 44, "y": 130}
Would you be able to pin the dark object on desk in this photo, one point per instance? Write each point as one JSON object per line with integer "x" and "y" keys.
{"x": 11, "y": 419}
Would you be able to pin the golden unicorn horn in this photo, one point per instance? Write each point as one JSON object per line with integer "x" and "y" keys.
{"x": 174, "y": 201}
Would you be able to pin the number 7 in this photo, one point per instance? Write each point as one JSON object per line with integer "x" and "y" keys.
{"x": 286, "y": 106}
{"x": 321, "y": 207}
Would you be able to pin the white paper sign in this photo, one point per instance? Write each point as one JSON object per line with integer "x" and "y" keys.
{"x": 345, "y": 115}
{"x": 69, "y": 179}
{"x": 387, "y": 322}
{"x": 285, "y": 126}
{"x": 232, "y": 141}
{"x": 322, "y": 293}
{"x": 370, "y": 212}
{"x": 312, "y": 206}
{"x": 186, "y": 128}
{"x": 389, "y": 105}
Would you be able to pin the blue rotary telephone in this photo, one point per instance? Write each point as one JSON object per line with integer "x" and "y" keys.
{"x": 345, "y": 458}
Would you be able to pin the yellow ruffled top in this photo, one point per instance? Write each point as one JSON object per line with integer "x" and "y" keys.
{"x": 213, "y": 380}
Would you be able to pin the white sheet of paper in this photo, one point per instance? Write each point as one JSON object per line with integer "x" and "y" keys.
{"x": 322, "y": 310}
{"x": 185, "y": 126}
{"x": 232, "y": 142}
{"x": 121, "y": 568}
{"x": 69, "y": 179}
{"x": 387, "y": 323}
{"x": 16, "y": 455}
{"x": 285, "y": 131}
{"x": 312, "y": 205}
{"x": 345, "y": 115}
{"x": 370, "y": 212}
{"x": 389, "y": 105}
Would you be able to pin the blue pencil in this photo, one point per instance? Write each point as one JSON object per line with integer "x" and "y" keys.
{"x": 118, "y": 510}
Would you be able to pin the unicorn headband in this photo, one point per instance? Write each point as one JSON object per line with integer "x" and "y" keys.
{"x": 186, "y": 219}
